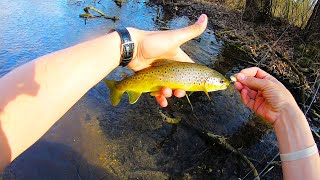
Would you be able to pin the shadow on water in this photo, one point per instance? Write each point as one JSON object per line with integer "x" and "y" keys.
{"x": 48, "y": 160}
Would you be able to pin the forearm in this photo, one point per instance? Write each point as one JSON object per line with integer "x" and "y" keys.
{"x": 55, "y": 82}
{"x": 294, "y": 134}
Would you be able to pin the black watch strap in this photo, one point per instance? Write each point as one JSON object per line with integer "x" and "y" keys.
{"x": 127, "y": 46}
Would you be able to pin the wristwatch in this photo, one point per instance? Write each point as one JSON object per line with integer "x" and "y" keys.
{"x": 127, "y": 46}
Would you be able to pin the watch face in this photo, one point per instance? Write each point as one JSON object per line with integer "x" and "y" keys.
{"x": 128, "y": 49}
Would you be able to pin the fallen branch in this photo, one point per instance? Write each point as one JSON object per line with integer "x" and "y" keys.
{"x": 119, "y": 2}
{"x": 168, "y": 119}
{"x": 222, "y": 142}
{"x": 89, "y": 15}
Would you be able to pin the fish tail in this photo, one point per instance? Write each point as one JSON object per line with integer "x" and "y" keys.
{"x": 115, "y": 94}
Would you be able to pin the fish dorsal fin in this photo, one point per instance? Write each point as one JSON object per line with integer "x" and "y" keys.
{"x": 160, "y": 62}
{"x": 133, "y": 96}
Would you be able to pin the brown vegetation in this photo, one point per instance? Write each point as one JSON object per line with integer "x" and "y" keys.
{"x": 275, "y": 45}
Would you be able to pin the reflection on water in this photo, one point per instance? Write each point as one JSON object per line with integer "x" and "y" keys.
{"x": 95, "y": 140}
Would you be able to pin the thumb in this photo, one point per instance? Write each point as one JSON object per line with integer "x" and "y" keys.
{"x": 253, "y": 82}
{"x": 185, "y": 34}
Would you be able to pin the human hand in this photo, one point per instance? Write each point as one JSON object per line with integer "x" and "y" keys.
{"x": 153, "y": 45}
{"x": 264, "y": 94}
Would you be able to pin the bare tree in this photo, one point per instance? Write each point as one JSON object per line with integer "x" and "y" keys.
{"x": 313, "y": 26}
{"x": 257, "y": 10}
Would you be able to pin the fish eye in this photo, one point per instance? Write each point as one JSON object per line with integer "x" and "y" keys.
{"x": 222, "y": 81}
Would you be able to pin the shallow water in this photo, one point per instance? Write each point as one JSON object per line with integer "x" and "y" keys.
{"x": 95, "y": 140}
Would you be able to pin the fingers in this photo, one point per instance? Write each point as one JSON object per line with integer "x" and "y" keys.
{"x": 251, "y": 93}
{"x": 246, "y": 99}
{"x": 238, "y": 86}
{"x": 259, "y": 73}
{"x": 166, "y": 92}
{"x": 253, "y": 102}
{"x": 185, "y": 34}
{"x": 252, "y": 82}
{"x": 162, "y": 100}
{"x": 179, "y": 93}
{"x": 255, "y": 72}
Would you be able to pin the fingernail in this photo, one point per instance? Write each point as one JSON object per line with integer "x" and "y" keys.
{"x": 241, "y": 77}
{"x": 201, "y": 19}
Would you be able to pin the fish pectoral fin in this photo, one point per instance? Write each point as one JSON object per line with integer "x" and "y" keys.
{"x": 133, "y": 96}
{"x": 207, "y": 94}
{"x": 155, "y": 93}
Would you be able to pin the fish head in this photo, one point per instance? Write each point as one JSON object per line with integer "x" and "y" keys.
{"x": 215, "y": 83}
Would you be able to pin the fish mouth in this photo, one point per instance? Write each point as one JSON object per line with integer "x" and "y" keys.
{"x": 225, "y": 86}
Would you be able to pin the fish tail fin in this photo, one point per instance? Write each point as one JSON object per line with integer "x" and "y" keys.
{"x": 115, "y": 94}
{"x": 133, "y": 96}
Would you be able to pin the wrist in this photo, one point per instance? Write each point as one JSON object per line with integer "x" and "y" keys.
{"x": 292, "y": 130}
{"x": 288, "y": 115}
{"x": 128, "y": 44}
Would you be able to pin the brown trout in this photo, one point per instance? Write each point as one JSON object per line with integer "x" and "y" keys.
{"x": 172, "y": 74}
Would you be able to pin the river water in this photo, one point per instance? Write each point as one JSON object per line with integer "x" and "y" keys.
{"x": 95, "y": 140}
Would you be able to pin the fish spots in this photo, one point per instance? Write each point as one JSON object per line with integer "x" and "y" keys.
{"x": 182, "y": 75}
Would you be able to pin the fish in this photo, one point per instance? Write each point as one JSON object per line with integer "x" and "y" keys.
{"x": 167, "y": 73}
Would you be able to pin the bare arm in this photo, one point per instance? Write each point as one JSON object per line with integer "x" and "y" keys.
{"x": 294, "y": 134}
{"x": 269, "y": 98}
{"x": 35, "y": 95}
